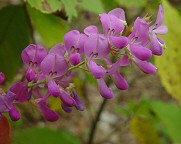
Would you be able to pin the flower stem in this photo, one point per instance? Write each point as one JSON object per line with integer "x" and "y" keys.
{"x": 74, "y": 67}
{"x": 30, "y": 85}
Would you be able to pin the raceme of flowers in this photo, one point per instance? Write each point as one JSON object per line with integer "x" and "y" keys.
{"x": 95, "y": 51}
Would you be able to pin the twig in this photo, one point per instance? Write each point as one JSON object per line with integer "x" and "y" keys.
{"x": 95, "y": 122}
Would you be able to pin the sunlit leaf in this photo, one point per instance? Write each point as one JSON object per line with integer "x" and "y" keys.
{"x": 45, "y": 136}
{"x": 70, "y": 8}
{"x": 51, "y": 28}
{"x": 45, "y": 6}
{"x": 14, "y": 37}
{"x": 4, "y": 131}
{"x": 94, "y": 6}
{"x": 169, "y": 64}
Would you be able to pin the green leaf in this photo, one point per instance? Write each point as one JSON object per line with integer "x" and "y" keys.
{"x": 94, "y": 6}
{"x": 14, "y": 37}
{"x": 70, "y": 8}
{"x": 51, "y": 28}
{"x": 170, "y": 116}
{"x": 45, "y": 136}
{"x": 45, "y": 6}
{"x": 132, "y": 3}
{"x": 169, "y": 64}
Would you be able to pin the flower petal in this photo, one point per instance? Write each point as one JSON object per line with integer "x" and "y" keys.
{"x": 91, "y": 30}
{"x": 33, "y": 53}
{"x": 6, "y": 101}
{"x": 97, "y": 71}
{"x": 105, "y": 91}
{"x": 75, "y": 59}
{"x": 53, "y": 88}
{"x": 79, "y": 105}
{"x": 119, "y": 81}
{"x": 58, "y": 49}
{"x": 119, "y": 13}
{"x": 20, "y": 89}
{"x": 155, "y": 45}
{"x": 146, "y": 67}
{"x": 66, "y": 108}
{"x": 2, "y": 78}
{"x": 31, "y": 74}
{"x": 161, "y": 30}
{"x": 118, "y": 42}
{"x": 96, "y": 45}
{"x": 74, "y": 39}
{"x": 54, "y": 64}
{"x": 111, "y": 24}
{"x": 49, "y": 114}
{"x": 141, "y": 52}
{"x": 160, "y": 17}
{"x": 14, "y": 114}
{"x": 67, "y": 99}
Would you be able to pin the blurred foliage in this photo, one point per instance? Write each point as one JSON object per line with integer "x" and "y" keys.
{"x": 94, "y": 6}
{"x": 50, "y": 28}
{"x": 169, "y": 64}
{"x": 14, "y": 37}
{"x": 45, "y": 6}
{"x": 45, "y": 136}
{"x": 70, "y": 8}
{"x": 55, "y": 103}
{"x": 144, "y": 130}
{"x": 132, "y": 3}
{"x": 165, "y": 117}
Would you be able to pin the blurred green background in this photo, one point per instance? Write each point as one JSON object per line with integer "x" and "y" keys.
{"x": 148, "y": 113}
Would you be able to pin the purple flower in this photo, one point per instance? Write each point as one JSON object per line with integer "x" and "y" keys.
{"x": 74, "y": 44}
{"x": 117, "y": 78}
{"x": 146, "y": 67}
{"x": 49, "y": 114}
{"x": 32, "y": 57}
{"x": 54, "y": 66}
{"x": 66, "y": 108}
{"x": 20, "y": 90}
{"x": 14, "y": 114}
{"x": 7, "y": 105}
{"x": 79, "y": 105}
{"x": 113, "y": 22}
{"x": 138, "y": 51}
{"x": 75, "y": 59}
{"x": 2, "y": 78}
{"x": 6, "y": 101}
{"x": 96, "y": 45}
{"x": 157, "y": 44}
{"x": 105, "y": 91}
{"x": 97, "y": 71}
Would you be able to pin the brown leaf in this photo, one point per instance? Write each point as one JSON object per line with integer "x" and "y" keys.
{"x": 4, "y": 131}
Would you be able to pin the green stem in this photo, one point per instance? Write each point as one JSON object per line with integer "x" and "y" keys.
{"x": 30, "y": 85}
{"x": 74, "y": 67}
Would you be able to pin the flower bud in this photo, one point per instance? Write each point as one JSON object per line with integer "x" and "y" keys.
{"x": 2, "y": 78}
{"x": 105, "y": 91}
{"x": 31, "y": 74}
{"x": 75, "y": 59}
{"x": 66, "y": 108}
{"x": 14, "y": 114}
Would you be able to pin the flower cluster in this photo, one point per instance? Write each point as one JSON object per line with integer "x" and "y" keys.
{"x": 102, "y": 54}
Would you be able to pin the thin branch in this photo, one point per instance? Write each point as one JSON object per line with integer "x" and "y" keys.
{"x": 95, "y": 122}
